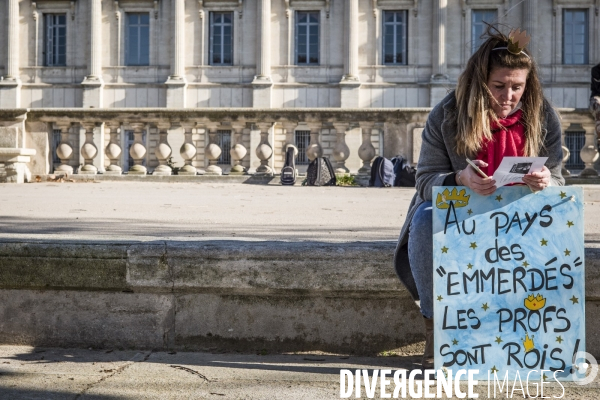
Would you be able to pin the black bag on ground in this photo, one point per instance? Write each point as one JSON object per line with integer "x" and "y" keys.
{"x": 405, "y": 173}
{"x": 288, "y": 172}
{"x": 382, "y": 173}
{"x": 394, "y": 172}
{"x": 320, "y": 173}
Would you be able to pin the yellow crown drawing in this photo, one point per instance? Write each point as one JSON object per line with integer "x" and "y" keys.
{"x": 460, "y": 199}
{"x": 528, "y": 343}
{"x": 535, "y": 303}
{"x": 517, "y": 40}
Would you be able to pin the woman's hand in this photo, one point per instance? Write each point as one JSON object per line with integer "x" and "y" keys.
{"x": 537, "y": 180}
{"x": 471, "y": 179}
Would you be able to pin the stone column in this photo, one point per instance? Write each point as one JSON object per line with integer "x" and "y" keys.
{"x": 177, "y": 84}
{"x": 188, "y": 151}
{"x": 238, "y": 152}
{"x": 163, "y": 151}
{"x": 341, "y": 152}
{"x": 264, "y": 151}
{"x": 589, "y": 152}
{"x": 290, "y": 141}
{"x": 212, "y": 153}
{"x": 10, "y": 86}
{"x": 314, "y": 149}
{"x": 113, "y": 149}
{"x": 138, "y": 150}
{"x": 350, "y": 83}
{"x": 262, "y": 83}
{"x": 530, "y": 12}
{"x": 89, "y": 151}
{"x": 93, "y": 84}
{"x": 64, "y": 151}
{"x": 366, "y": 151}
{"x": 439, "y": 79}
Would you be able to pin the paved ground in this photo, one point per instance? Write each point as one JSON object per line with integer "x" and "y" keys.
{"x": 116, "y": 211}
{"x": 42, "y": 373}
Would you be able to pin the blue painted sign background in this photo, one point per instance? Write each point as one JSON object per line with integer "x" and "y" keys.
{"x": 509, "y": 288}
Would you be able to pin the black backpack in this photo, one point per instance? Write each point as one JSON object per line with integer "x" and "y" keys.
{"x": 382, "y": 173}
{"x": 405, "y": 173}
{"x": 394, "y": 172}
{"x": 288, "y": 172}
{"x": 320, "y": 173}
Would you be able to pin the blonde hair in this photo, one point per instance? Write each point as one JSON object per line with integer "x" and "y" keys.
{"x": 473, "y": 96}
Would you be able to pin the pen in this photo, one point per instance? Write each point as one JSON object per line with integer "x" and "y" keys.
{"x": 476, "y": 168}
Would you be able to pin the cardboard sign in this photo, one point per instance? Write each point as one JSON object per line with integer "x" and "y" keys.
{"x": 509, "y": 280}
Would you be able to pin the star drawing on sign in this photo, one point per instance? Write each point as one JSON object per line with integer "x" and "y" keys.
{"x": 525, "y": 264}
{"x": 439, "y": 298}
{"x": 544, "y": 242}
{"x": 498, "y": 339}
{"x": 570, "y": 223}
{"x": 499, "y": 198}
{"x": 454, "y": 342}
{"x": 567, "y": 252}
{"x": 485, "y": 307}
{"x": 473, "y": 245}
{"x": 444, "y": 249}
{"x": 469, "y": 211}
{"x": 494, "y": 369}
{"x": 563, "y": 195}
{"x": 559, "y": 339}
{"x": 574, "y": 299}
{"x": 470, "y": 266}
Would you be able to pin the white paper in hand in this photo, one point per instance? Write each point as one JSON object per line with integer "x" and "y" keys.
{"x": 512, "y": 169}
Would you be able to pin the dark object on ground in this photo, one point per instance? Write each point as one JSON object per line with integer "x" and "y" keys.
{"x": 288, "y": 172}
{"x": 394, "y": 172}
{"x": 320, "y": 173}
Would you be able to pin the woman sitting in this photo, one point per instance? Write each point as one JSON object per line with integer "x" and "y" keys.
{"x": 498, "y": 109}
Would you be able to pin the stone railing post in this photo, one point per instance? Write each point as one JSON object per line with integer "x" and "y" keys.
{"x": 64, "y": 150}
{"x": 589, "y": 152}
{"x": 314, "y": 149}
{"x": 341, "y": 152}
{"x": 238, "y": 152}
{"x": 89, "y": 151}
{"x": 366, "y": 151}
{"x": 188, "y": 151}
{"x": 162, "y": 151}
{"x": 138, "y": 150}
{"x": 264, "y": 151}
{"x": 113, "y": 149}
{"x": 212, "y": 153}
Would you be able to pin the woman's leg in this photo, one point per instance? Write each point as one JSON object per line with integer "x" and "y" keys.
{"x": 420, "y": 254}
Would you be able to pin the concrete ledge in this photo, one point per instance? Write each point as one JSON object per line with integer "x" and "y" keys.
{"x": 236, "y": 294}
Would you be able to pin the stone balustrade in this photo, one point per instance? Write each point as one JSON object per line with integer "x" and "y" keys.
{"x": 224, "y": 141}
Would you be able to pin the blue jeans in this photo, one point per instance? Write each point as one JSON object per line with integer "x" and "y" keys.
{"x": 420, "y": 255}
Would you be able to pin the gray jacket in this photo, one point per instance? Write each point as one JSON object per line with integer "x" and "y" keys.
{"x": 438, "y": 159}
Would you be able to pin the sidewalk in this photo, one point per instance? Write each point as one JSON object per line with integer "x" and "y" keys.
{"x": 53, "y": 374}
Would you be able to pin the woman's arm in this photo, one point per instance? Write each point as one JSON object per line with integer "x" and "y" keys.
{"x": 553, "y": 146}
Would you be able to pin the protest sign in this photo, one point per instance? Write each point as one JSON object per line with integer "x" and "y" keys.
{"x": 509, "y": 289}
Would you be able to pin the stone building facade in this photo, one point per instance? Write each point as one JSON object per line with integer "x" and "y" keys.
{"x": 287, "y": 55}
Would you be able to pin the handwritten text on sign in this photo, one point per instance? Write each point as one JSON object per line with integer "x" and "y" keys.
{"x": 508, "y": 277}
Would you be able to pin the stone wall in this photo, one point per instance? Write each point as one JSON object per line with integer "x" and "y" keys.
{"x": 289, "y": 85}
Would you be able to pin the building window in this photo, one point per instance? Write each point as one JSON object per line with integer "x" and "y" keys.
{"x": 575, "y": 141}
{"x": 575, "y": 36}
{"x": 55, "y": 40}
{"x": 478, "y": 26}
{"x": 221, "y": 38}
{"x": 302, "y": 140}
{"x": 224, "y": 138}
{"x": 137, "y": 40}
{"x": 307, "y": 37}
{"x": 394, "y": 37}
